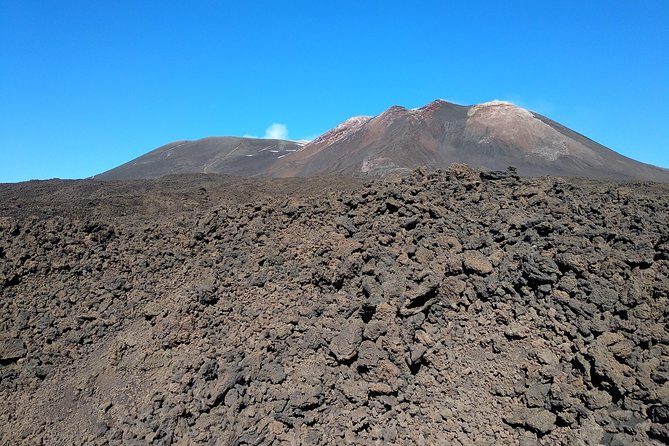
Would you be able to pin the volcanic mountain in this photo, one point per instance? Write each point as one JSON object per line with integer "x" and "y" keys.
{"x": 489, "y": 136}
{"x": 224, "y": 155}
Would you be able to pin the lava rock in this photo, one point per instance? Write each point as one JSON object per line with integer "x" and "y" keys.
{"x": 344, "y": 346}
{"x": 536, "y": 420}
{"x": 476, "y": 262}
{"x": 11, "y": 349}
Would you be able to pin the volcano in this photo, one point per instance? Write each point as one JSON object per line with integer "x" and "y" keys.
{"x": 489, "y": 136}
{"x": 228, "y": 155}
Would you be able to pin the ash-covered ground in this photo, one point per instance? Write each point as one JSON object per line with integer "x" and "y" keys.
{"x": 443, "y": 308}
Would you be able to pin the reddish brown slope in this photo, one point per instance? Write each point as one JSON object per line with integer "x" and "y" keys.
{"x": 493, "y": 135}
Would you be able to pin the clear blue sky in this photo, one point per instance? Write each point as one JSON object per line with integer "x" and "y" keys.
{"x": 87, "y": 85}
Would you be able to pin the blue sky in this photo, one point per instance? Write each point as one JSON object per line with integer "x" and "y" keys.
{"x": 88, "y": 85}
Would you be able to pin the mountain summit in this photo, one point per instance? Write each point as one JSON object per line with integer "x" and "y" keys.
{"x": 492, "y": 135}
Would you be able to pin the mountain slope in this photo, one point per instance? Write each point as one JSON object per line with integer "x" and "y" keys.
{"x": 493, "y": 135}
{"x": 223, "y": 155}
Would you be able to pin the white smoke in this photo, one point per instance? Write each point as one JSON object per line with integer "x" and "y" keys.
{"x": 276, "y": 131}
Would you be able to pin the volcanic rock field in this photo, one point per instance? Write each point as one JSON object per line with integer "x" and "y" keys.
{"x": 452, "y": 307}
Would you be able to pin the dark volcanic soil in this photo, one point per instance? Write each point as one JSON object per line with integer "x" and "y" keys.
{"x": 450, "y": 308}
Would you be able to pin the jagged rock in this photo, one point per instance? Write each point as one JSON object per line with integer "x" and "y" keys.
{"x": 659, "y": 413}
{"x": 590, "y": 433}
{"x": 344, "y": 346}
{"x": 537, "y": 394}
{"x": 539, "y": 270}
{"x": 597, "y": 399}
{"x": 380, "y": 389}
{"x": 516, "y": 331}
{"x": 354, "y": 390}
{"x": 273, "y": 373}
{"x": 494, "y": 175}
{"x": 368, "y": 355}
{"x": 306, "y": 398}
{"x": 374, "y": 329}
{"x": 659, "y": 432}
{"x": 476, "y": 262}
{"x": 11, "y": 349}
{"x": 537, "y": 420}
{"x": 616, "y": 375}
{"x": 421, "y": 296}
{"x": 547, "y": 357}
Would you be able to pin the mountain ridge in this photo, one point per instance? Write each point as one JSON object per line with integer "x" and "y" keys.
{"x": 488, "y": 136}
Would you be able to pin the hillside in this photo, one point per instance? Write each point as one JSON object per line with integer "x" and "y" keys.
{"x": 493, "y": 135}
{"x": 489, "y": 136}
{"x": 226, "y": 155}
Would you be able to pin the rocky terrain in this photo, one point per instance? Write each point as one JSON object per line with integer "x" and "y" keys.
{"x": 452, "y": 307}
{"x": 488, "y": 136}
